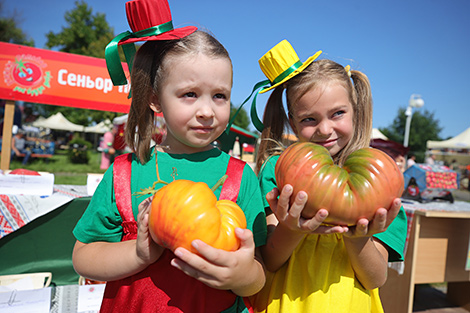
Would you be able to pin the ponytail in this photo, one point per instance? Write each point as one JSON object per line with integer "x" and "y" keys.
{"x": 275, "y": 121}
{"x": 361, "y": 98}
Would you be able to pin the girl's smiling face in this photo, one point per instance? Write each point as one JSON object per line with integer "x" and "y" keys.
{"x": 195, "y": 101}
{"x": 324, "y": 115}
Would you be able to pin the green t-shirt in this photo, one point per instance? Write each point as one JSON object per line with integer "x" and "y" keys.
{"x": 102, "y": 222}
{"x": 394, "y": 237}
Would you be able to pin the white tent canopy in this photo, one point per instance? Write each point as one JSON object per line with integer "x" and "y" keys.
{"x": 59, "y": 122}
{"x": 120, "y": 119}
{"x": 376, "y": 134}
{"x": 100, "y": 128}
{"x": 461, "y": 141}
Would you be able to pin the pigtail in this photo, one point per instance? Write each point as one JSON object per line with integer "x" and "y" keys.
{"x": 140, "y": 127}
{"x": 364, "y": 104}
{"x": 275, "y": 120}
{"x": 361, "y": 97}
{"x": 140, "y": 123}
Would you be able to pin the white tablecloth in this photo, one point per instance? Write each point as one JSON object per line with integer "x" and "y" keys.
{"x": 18, "y": 210}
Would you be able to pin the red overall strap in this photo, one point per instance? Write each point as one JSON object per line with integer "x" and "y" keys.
{"x": 231, "y": 186}
{"x": 122, "y": 190}
{"x": 230, "y": 190}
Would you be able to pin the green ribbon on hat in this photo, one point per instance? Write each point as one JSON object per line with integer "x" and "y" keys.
{"x": 287, "y": 72}
{"x": 261, "y": 86}
{"x": 254, "y": 115}
{"x": 111, "y": 54}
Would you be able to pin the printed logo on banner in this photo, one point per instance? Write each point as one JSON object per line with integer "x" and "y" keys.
{"x": 28, "y": 75}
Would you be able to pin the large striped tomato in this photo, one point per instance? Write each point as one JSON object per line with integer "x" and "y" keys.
{"x": 183, "y": 211}
{"x": 368, "y": 180}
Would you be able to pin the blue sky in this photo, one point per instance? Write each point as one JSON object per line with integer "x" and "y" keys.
{"x": 405, "y": 47}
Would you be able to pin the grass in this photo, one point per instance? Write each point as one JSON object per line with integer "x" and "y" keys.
{"x": 65, "y": 172}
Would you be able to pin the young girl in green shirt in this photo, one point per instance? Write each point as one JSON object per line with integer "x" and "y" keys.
{"x": 186, "y": 75}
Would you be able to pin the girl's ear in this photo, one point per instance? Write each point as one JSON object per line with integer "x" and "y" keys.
{"x": 155, "y": 104}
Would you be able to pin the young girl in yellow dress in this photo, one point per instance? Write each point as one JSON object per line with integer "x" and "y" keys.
{"x": 313, "y": 267}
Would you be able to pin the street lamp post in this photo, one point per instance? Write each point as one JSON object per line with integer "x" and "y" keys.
{"x": 415, "y": 102}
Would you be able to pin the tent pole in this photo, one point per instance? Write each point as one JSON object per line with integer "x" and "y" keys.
{"x": 6, "y": 140}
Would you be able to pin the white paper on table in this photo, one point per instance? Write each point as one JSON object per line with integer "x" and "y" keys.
{"x": 92, "y": 182}
{"x": 90, "y": 297}
{"x": 25, "y": 283}
{"x": 39, "y": 185}
{"x": 31, "y": 207}
{"x": 26, "y": 301}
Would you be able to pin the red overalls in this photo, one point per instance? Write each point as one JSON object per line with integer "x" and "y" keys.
{"x": 161, "y": 287}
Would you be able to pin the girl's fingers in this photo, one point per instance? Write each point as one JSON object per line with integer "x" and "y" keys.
{"x": 379, "y": 223}
{"x": 299, "y": 203}
{"x": 209, "y": 271}
{"x": 383, "y": 217}
{"x": 361, "y": 229}
{"x": 144, "y": 206}
{"x": 284, "y": 199}
{"x": 246, "y": 239}
{"x": 314, "y": 223}
{"x": 322, "y": 229}
{"x": 219, "y": 257}
{"x": 214, "y": 256}
{"x": 271, "y": 197}
{"x": 188, "y": 262}
{"x": 142, "y": 216}
{"x": 393, "y": 212}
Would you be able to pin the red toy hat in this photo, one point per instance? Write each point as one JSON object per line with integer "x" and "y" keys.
{"x": 149, "y": 20}
{"x": 144, "y": 14}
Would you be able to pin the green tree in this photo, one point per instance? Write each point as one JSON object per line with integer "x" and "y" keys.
{"x": 241, "y": 120}
{"x": 85, "y": 34}
{"x": 9, "y": 28}
{"x": 423, "y": 127}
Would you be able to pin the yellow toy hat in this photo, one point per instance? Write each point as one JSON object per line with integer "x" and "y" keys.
{"x": 281, "y": 63}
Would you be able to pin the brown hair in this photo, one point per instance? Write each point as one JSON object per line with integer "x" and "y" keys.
{"x": 148, "y": 72}
{"x": 317, "y": 74}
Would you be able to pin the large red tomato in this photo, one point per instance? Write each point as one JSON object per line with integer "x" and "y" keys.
{"x": 183, "y": 211}
{"x": 368, "y": 180}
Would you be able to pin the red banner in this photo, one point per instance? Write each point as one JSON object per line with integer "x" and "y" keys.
{"x": 58, "y": 78}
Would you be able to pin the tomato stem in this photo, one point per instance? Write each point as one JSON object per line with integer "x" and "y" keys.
{"x": 219, "y": 182}
{"x": 151, "y": 190}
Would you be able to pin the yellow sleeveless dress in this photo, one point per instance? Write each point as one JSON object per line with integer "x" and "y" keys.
{"x": 317, "y": 278}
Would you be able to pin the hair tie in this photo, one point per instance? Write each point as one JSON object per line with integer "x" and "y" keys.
{"x": 347, "y": 68}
